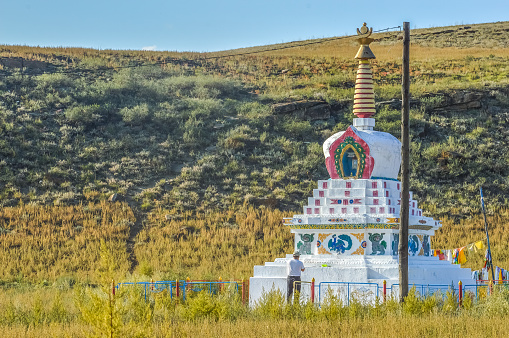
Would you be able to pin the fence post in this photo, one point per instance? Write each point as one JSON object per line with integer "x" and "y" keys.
{"x": 313, "y": 290}
{"x": 385, "y": 290}
{"x": 220, "y": 284}
{"x": 243, "y": 291}
{"x": 246, "y": 283}
{"x": 113, "y": 287}
{"x": 348, "y": 293}
{"x": 152, "y": 284}
{"x": 460, "y": 293}
{"x": 490, "y": 288}
{"x": 177, "y": 291}
{"x": 188, "y": 280}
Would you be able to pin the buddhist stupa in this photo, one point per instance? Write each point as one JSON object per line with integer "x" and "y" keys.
{"x": 349, "y": 229}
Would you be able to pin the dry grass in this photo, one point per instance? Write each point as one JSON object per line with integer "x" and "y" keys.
{"x": 226, "y": 244}
{"x": 47, "y": 242}
{"x": 63, "y": 313}
{"x": 429, "y": 326}
{"x": 63, "y": 244}
{"x": 432, "y": 326}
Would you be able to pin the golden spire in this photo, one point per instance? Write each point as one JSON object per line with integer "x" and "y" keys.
{"x": 364, "y": 99}
{"x": 365, "y": 52}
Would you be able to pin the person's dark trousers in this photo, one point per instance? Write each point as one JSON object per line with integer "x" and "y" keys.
{"x": 290, "y": 281}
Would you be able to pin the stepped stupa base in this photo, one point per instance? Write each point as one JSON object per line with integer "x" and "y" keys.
{"x": 355, "y": 269}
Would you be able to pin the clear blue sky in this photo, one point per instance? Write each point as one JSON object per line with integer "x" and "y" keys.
{"x": 202, "y": 26}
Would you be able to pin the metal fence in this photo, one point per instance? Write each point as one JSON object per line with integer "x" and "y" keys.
{"x": 366, "y": 293}
{"x": 182, "y": 288}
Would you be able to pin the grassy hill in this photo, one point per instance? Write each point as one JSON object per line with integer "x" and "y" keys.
{"x": 187, "y": 144}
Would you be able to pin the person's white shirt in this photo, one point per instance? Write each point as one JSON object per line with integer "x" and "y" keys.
{"x": 295, "y": 267}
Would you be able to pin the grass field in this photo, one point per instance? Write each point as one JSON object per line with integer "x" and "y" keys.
{"x": 88, "y": 243}
{"x": 132, "y": 165}
{"x": 87, "y": 312}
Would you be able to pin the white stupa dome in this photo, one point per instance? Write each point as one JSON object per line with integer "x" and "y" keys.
{"x": 362, "y": 153}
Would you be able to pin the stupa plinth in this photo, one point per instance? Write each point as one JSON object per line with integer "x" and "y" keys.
{"x": 349, "y": 229}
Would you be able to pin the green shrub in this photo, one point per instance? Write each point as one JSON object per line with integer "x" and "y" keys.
{"x": 136, "y": 114}
{"x": 497, "y": 304}
{"x": 83, "y": 114}
{"x": 229, "y": 304}
{"x": 297, "y": 128}
{"x": 412, "y": 304}
{"x": 202, "y": 305}
{"x": 270, "y": 305}
{"x": 450, "y": 305}
{"x": 332, "y": 306}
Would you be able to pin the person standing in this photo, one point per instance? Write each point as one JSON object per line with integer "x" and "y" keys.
{"x": 295, "y": 267}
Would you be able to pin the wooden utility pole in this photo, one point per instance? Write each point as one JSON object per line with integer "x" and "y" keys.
{"x": 405, "y": 165}
{"x": 488, "y": 238}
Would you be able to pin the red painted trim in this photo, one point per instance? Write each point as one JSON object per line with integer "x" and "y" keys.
{"x": 364, "y": 115}
{"x": 330, "y": 163}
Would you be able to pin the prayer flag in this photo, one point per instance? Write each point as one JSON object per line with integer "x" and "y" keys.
{"x": 461, "y": 256}
{"x": 479, "y": 245}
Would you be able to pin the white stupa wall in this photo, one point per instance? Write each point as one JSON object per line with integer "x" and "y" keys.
{"x": 364, "y": 201}
{"x": 375, "y": 269}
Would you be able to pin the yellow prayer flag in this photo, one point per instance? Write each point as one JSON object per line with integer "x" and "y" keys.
{"x": 479, "y": 245}
{"x": 461, "y": 256}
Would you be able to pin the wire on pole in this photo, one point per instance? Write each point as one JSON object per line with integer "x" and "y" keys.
{"x": 196, "y": 62}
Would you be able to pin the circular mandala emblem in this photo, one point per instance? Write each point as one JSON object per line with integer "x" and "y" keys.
{"x": 318, "y": 243}
{"x": 378, "y": 219}
{"x": 351, "y": 201}
{"x": 300, "y": 221}
{"x": 364, "y": 244}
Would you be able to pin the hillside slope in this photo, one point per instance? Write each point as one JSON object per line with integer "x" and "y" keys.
{"x": 178, "y": 133}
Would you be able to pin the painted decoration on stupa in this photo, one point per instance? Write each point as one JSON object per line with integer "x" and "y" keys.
{"x": 349, "y": 157}
{"x": 378, "y": 245}
{"x": 305, "y": 243}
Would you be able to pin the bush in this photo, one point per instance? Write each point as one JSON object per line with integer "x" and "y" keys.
{"x": 450, "y": 305}
{"x": 412, "y": 304}
{"x": 270, "y": 305}
{"x": 135, "y": 115}
{"x": 83, "y": 114}
{"x": 497, "y": 304}
{"x": 202, "y": 305}
{"x": 332, "y": 307}
{"x": 297, "y": 128}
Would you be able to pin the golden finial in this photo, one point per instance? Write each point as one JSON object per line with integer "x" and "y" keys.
{"x": 365, "y": 52}
{"x": 365, "y": 30}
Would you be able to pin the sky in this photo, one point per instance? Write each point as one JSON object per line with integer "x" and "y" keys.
{"x": 206, "y": 26}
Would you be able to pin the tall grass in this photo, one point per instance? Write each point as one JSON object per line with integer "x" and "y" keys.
{"x": 51, "y": 243}
{"x": 63, "y": 245}
{"x": 91, "y": 312}
{"x": 214, "y": 244}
